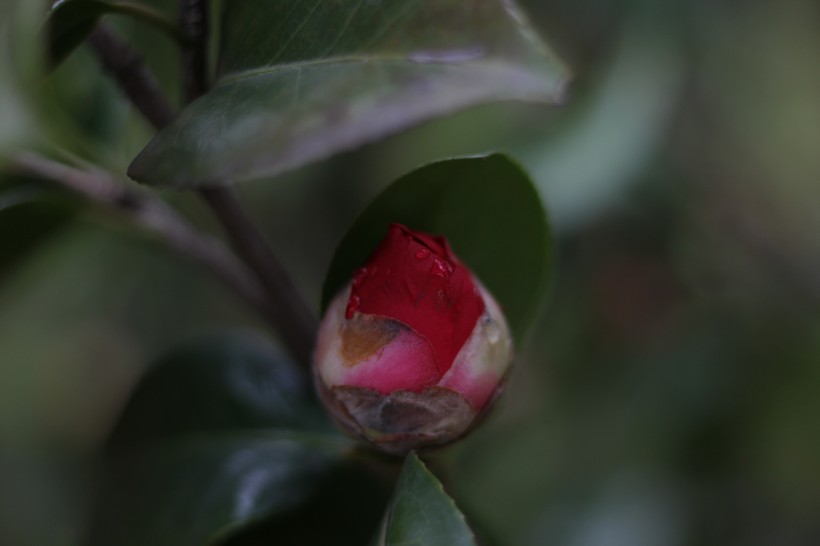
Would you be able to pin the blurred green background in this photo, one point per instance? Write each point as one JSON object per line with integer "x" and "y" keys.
{"x": 669, "y": 394}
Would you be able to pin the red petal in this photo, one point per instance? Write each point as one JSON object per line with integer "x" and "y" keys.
{"x": 416, "y": 279}
{"x": 406, "y": 363}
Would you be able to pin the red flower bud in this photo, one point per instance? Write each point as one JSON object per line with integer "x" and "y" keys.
{"x": 415, "y": 349}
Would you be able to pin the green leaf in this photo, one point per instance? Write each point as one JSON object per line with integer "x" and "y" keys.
{"x": 488, "y": 209}
{"x": 215, "y": 437}
{"x": 192, "y": 491}
{"x": 70, "y": 22}
{"x": 304, "y": 80}
{"x": 227, "y": 383}
{"x": 343, "y": 510}
{"x": 422, "y": 514}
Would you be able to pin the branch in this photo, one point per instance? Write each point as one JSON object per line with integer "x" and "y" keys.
{"x": 292, "y": 317}
{"x": 150, "y": 215}
{"x": 283, "y": 306}
{"x": 126, "y": 67}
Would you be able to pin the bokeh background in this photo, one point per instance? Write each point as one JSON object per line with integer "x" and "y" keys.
{"x": 669, "y": 393}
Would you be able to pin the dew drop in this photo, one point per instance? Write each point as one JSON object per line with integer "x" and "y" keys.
{"x": 422, "y": 253}
{"x": 441, "y": 268}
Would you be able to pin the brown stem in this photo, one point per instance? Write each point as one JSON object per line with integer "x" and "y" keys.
{"x": 283, "y": 306}
{"x": 292, "y": 317}
{"x": 126, "y": 67}
{"x": 150, "y": 215}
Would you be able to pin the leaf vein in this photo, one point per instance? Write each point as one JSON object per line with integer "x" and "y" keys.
{"x": 296, "y": 32}
{"x": 389, "y": 26}
{"x": 345, "y": 27}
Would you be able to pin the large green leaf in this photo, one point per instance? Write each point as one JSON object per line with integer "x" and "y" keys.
{"x": 223, "y": 384}
{"x": 216, "y": 437}
{"x": 345, "y": 508}
{"x": 70, "y": 22}
{"x": 304, "y": 80}
{"x": 192, "y": 491}
{"x": 421, "y": 513}
{"x": 488, "y": 209}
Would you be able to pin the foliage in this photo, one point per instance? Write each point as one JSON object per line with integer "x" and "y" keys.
{"x": 665, "y": 396}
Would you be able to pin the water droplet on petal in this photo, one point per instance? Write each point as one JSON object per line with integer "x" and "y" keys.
{"x": 441, "y": 268}
{"x": 422, "y": 253}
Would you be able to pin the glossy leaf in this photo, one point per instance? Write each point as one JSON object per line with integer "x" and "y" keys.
{"x": 304, "y": 80}
{"x": 215, "y": 437}
{"x": 224, "y": 384}
{"x": 421, "y": 513}
{"x": 70, "y": 22}
{"x": 344, "y": 509}
{"x": 192, "y": 491}
{"x": 488, "y": 209}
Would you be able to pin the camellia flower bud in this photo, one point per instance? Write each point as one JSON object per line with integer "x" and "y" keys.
{"x": 414, "y": 350}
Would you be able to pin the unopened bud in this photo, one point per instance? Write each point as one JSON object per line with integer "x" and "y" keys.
{"x": 414, "y": 350}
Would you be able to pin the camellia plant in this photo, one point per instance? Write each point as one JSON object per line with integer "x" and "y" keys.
{"x": 426, "y": 298}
